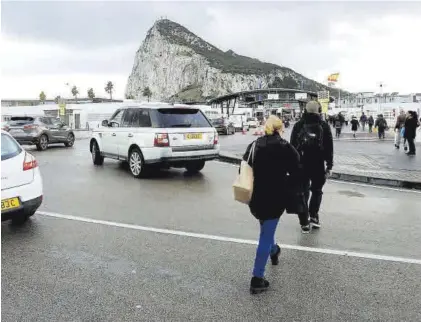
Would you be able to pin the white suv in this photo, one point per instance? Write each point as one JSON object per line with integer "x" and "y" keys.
{"x": 150, "y": 135}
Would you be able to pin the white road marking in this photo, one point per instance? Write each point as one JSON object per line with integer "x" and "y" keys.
{"x": 349, "y": 182}
{"x": 232, "y": 240}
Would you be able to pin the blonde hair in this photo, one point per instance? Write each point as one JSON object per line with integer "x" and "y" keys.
{"x": 273, "y": 123}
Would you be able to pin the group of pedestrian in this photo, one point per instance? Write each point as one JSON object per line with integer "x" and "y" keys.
{"x": 283, "y": 172}
{"x": 406, "y": 128}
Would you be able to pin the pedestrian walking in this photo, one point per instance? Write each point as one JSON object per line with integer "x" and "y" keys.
{"x": 313, "y": 140}
{"x": 338, "y": 126}
{"x": 370, "y": 123}
{"x": 354, "y": 126}
{"x": 411, "y": 124}
{"x": 363, "y": 121}
{"x": 400, "y": 123}
{"x": 381, "y": 126}
{"x": 271, "y": 158}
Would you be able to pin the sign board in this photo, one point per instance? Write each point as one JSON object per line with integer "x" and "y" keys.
{"x": 62, "y": 108}
{"x": 323, "y": 98}
{"x": 273, "y": 96}
{"x": 300, "y": 96}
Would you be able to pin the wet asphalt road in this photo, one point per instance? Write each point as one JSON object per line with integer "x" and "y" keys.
{"x": 54, "y": 269}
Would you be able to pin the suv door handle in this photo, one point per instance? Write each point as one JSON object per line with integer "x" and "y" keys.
{"x": 130, "y": 135}
{"x": 113, "y": 134}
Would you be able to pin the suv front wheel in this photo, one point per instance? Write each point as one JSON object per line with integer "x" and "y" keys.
{"x": 195, "y": 166}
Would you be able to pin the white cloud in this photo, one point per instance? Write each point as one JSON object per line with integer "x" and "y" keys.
{"x": 29, "y": 67}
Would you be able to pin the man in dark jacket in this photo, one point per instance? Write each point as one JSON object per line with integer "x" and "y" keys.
{"x": 312, "y": 138}
{"x": 411, "y": 124}
{"x": 381, "y": 125}
{"x": 370, "y": 123}
{"x": 363, "y": 121}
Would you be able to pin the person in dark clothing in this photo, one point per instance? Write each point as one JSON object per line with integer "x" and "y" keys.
{"x": 363, "y": 121}
{"x": 381, "y": 125}
{"x": 339, "y": 121}
{"x": 370, "y": 123}
{"x": 313, "y": 140}
{"x": 354, "y": 125}
{"x": 272, "y": 159}
{"x": 411, "y": 125}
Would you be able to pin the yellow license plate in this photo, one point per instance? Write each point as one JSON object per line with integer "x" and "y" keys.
{"x": 11, "y": 203}
{"x": 193, "y": 136}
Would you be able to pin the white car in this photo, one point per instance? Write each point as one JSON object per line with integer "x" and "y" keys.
{"x": 21, "y": 182}
{"x": 253, "y": 122}
{"x": 148, "y": 136}
{"x": 239, "y": 121}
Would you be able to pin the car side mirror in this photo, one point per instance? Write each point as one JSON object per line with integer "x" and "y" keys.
{"x": 105, "y": 123}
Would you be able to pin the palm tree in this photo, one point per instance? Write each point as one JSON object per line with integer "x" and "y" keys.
{"x": 147, "y": 92}
{"x": 109, "y": 89}
{"x": 91, "y": 93}
{"x": 75, "y": 92}
{"x": 42, "y": 97}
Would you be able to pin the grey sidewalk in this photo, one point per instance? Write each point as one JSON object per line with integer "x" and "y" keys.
{"x": 369, "y": 162}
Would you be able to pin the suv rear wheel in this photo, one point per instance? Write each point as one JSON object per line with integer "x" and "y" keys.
{"x": 195, "y": 166}
{"x": 97, "y": 158}
{"x": 136, "y": 163}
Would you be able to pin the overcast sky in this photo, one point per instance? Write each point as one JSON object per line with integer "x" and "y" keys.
{"x": 47, "y": 44}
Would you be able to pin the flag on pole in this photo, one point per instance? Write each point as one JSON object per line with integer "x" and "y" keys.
{"x": 333, "y": 78}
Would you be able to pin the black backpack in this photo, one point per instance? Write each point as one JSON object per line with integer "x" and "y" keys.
{"x": 310, "y": 138}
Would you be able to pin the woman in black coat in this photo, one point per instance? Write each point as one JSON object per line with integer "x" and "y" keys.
{"x": 411, "y": 124}
{"x": 272, "y": 160}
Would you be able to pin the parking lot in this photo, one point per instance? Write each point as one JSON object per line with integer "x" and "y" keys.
{"x": 176, "y": 247}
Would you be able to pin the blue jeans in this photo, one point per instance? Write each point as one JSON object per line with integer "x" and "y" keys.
{"x": 266, "y": 247}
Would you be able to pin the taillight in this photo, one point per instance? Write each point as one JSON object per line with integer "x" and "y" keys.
{"x": 216, "y": 138}
{"x": 29, "y": 162}
{"x": 30, "y": 127}
{"x": 5, "y": 128}
{"x": 161, "y": 140}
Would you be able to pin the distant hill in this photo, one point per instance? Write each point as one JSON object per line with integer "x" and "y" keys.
{"x": 174, "y": 62}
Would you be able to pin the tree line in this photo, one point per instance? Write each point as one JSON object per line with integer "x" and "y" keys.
{"x": 109, "y": 88}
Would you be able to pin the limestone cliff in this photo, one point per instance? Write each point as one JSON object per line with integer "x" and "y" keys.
{"x": 175, "y": 63}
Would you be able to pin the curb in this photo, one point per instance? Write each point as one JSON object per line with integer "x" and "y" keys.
{"x": 348, "y": 177}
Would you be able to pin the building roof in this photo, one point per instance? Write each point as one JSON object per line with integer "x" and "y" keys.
{"x": 257, "y": 91}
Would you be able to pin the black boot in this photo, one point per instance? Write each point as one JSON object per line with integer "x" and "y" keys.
{"x": 258, "y": 285}
{"x": 275, "y": 257}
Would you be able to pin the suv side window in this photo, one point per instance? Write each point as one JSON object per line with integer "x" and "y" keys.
{"x": 142, "y": 118}
{"x": 55, "y": 121}
{"x": 117, "y": 117}
{"x": 45, "y": 120}
{"x": 128, "y": 118}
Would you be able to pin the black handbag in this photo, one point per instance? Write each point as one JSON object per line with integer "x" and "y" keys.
{"x": 296, "y": 203}
{"x": 295, "y": 200}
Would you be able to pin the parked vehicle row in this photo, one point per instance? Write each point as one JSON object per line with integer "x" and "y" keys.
{"x": 148, "y": 137}
{"x": 40, "y": 131}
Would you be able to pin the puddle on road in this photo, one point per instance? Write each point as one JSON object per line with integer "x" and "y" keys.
{"x": 350, "y": 193}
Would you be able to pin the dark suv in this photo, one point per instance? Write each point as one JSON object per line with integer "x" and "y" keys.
{"x": 40, "y": 131}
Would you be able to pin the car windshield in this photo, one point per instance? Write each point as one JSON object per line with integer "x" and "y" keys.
{"x": 181, "y": 117}
{"x": 9, "y": 148}
{"x": 20, "y": 120}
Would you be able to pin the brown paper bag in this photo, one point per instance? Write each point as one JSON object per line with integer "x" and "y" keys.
{"x": 243, "y": 184}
